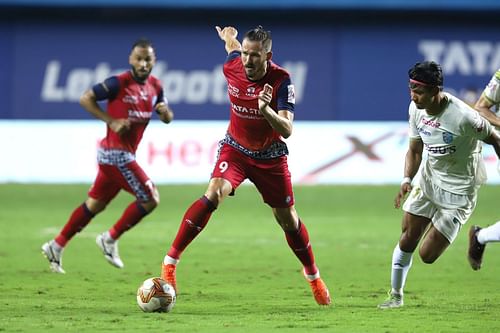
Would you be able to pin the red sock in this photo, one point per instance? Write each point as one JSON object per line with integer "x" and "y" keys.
{"x": 80, "y": 217}
{"x": 131, "y": 216}
{"x": 298, "y": 240}
{"x": 193, "y": 222}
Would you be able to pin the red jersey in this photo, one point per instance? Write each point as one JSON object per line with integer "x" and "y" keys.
{"x": 132, "y": 100}
{"x": 247, "y": 126}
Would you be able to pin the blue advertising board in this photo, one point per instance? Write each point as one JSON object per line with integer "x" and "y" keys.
{"x": 286, "y": 4}
{"x": 341, "y": 72}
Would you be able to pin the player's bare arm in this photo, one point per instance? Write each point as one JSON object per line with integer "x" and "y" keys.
{"x": 494, "y": 140}
{"x": 228, "y": 35}
{"x": 281, "y": 121}
{"x": 89, "y": 102}
{"x": 483, "y": 106}
{"x": 164, "y": 112}
{"x": 412, "y": 163}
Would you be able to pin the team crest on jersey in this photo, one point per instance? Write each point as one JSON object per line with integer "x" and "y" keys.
{"x": 291, "y": 94}
{"x": 250, "y": 92}
{"x": 447, "y": 137}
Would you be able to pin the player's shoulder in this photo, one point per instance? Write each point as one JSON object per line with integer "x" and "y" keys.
{"x": 154, "y": 80}
{"x": 497, "y": 75}
{"x": 124, "y": 76}
{"x": 462, "y": 112}
{"x": 233, "y": 56}
{"x": 458, "y": 105}
{"x": 278, "y": 70}
{"x": 413, "y": 110}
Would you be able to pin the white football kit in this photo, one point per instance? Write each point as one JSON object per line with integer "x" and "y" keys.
{"x": 446, "y": 189}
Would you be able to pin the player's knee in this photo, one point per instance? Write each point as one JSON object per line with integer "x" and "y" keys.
{"x": 287, "y": 220}
{"x": 218, "y": 190}
{"x": 408, "y": 242}
{"x": 95, "y": 206}
{"x": 427, "y": 258}
{"x": 150, "y": 205}
{"x": 216, "y": 196}
{"x": 153, "y": 205}
{"x": 287, "y": 225}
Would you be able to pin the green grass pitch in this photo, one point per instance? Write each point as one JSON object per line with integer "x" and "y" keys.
{"x": 239, "y": 275}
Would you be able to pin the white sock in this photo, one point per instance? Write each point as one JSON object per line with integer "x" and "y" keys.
{"x": 170, "y": 261}
{"x": 56, "y": 246}
{"x": 312, "y": 277}
{"x": 489, "y": 234}
{"x": 401, "y": 263}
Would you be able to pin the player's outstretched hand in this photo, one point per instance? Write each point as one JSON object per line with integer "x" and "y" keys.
{"x": 226, "y": 33}
{"x": 403, "y": 190}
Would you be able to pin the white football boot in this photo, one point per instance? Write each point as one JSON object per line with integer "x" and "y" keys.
{"x": 54, "y": 256}
{"x": 109, "y": 248}
{"x": 393, "y": 301}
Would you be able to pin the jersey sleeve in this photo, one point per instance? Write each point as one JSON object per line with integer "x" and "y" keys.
{"x": 108, "y": 89}
{"x": 286, "y": 96}
{"x": 492, "y": 90}
{"x": 476, "y": 126}
{"x": 233, "y": 55}
{"x": 161, "y": 98}
{"x": 412, "y": 119}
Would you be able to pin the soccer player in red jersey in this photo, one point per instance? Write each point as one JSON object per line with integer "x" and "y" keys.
{"x": 261, "y": 113}
{"x": 132, "y": 98}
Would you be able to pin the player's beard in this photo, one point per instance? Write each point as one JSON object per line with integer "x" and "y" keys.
{"x": 141, "y": 76}
{"x": 255, "y": 72}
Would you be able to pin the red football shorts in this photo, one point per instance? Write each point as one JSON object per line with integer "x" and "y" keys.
{"x": 271, "y": 177}
{"x": 130, "y": 177}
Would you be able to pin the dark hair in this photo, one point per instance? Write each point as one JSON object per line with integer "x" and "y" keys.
{"x": 428, "y": 72}
{"x": 143, "y": 43}
{"x": 258, "y": 34}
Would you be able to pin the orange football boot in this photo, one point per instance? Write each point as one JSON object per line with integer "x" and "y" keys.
{"x": 168, "y": 274}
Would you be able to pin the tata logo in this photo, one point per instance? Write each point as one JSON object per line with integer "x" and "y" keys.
{"x": 473, "y": 57}
{"x": 138, "y": 116}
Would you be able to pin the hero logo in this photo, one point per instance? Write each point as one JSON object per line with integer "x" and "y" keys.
{"x": 180, "y": 86}
{"x": 473, "y": 57}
